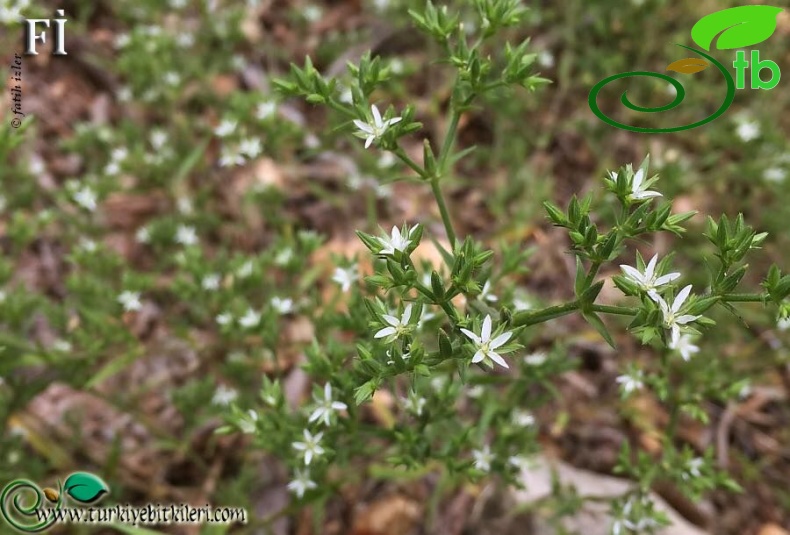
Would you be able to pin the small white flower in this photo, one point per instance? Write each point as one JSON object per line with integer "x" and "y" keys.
{"x": 224, "y": 319}
{"x": 649, "y": 281}
{"x": 282, "y": 306}
{"x": 225, "y": 128}
{"x": 386, "y": 160}
{"x": 522, "y": 418}
{"x": 535, "y": 359}
{"x": 520, "y": 462}
{"x": 693, "y": 468}
{"x": 312, "y": 13}
{"x": 438, "y": 383}
{"x": 250, "y": 319}
{"x": 211, "y": 281}
{"x": 783, "y": 323}
{"x": 345, "y": 95}
{"x": 231, "y": 155}
{"x": 143, "y": 235}
{"x": 248, "y": 423}
{"x": 245, "y": 270}
{"x": 671, "y": 319}
{"x": 184, "y": 206}
{"x": 483, "y": 458}
{"x": 546, "y": 59}
{"x": 224, "y": 395}
{"x": 121, "y": 40}
{"x": 486, "y": 346}
{"x": 185, "y": 40}
{"x": 62, "y": 346}
{"x": 345, "y": 277}
{"x": 685, "y": 347}
{"x": 264, "y": 110}
{"x": 250, "y": 147}
{"x": 397, "y": 327}
{"x": 86, "y": 198}
{"x": 87, "y": 245}
{"x": 158, "y": 139}
{"x": 638, "y": 191}
{"x": 284, "y": 256}
{"x": 476, "y": 392}
{"x": 398, "y": 241}
{"x": 130, "y": 301}
{"x": 310, "y": 447}
{"x": 124, "y": 93}
{"x": 631, "y": 382}
{"x": 775, "y": 174}
{"x": 326, "y": 407}
{"x": 373, "y": 131}
{"x": 414, "y": 403}
{"x": 748, "y": 130}
{"x": 301, "y": 483}
{"x": 486, "y": 295}
{"x": 186, "y": 235}
{"x": 171, "y": 78}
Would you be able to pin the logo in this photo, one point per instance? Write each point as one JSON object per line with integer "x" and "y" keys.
{"x": 32, "y": 516}
{"x": 31, "y": 36}
{"x": 737, "y": 27}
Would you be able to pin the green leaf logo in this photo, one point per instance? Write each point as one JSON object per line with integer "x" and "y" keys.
{"x": 741, "y": 26}
{"x": 85, "y": 487}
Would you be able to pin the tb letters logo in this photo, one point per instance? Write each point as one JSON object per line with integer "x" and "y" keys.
{"x": 737, "y": 27}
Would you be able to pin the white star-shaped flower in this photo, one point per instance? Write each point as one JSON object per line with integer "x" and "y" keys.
{"x": 631, "y": 382}
{"x": 186, "y": 235}
{"x": 685, "y": 347}
{"x": 649, "y": 281}
{"x": 86, "y": 198}
{"x": 638, "y": 191}
{"x": 345, "y": 277}
{"x": 224, "y": 319}
{"x": 130, "y": 301}
{"x": 301, "y": 483}
{"x": 250, "y": 319}
{"x": 250, "y": 147}
{"x": 310, "y": 447}
{"x": 224, "y": 395}
{"x": 283, "y": 306}
{"x": 373, "y": 131}
{"x": 522, "y": 418}
{"x": 486, "y": 295}
{"x": 210, "y": 282}
{"x": 323, "y": 412}
{"x": 397, "y": 327}
{"x": 693, "y": 468}
{"x": 225, "y": 128}
{"x": 483, "y": 458}
{"x": 672, "y": 320}
{"x": 248, "y": 423}
{"x": 398, "y": 241}
{"x": 265, "y": 110}
{"x": 748, "y": 130}
{"x": 485, "y": 345}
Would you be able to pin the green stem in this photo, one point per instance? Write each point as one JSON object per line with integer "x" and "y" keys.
{"x": 531, "y": 318}
{"x": 616, "y": 310}
{"x": 400, "y": 153}
{"x": 742, "y": 298}
{"x": 448, "y": 224}
{"x": 449, "y": 140}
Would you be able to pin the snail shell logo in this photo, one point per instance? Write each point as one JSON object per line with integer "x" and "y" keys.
{"x": 16, "y": 505}
{"x": 737, "y": 27}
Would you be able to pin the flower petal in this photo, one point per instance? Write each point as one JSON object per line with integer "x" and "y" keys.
{"x": 386, "y": 331}
{"x": 496, "y": 357}
{"x": 500, "y": 340}
{"x": 485, "y": 333}
{"x": 636, "y": 185}
{"x": 472, "y": 336}
{"x": 404, "y": 319}
{"x": 651, "y": 267}
{"x": 633, "y": 274}
{"x": 666, "y": 279}
{"x": 681, "y": 298}
{"x": 686, "y": 318}
{"x": 392, "y": 320}
{"x": 376, "y": 116}
{"x": 478, "y": 357}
